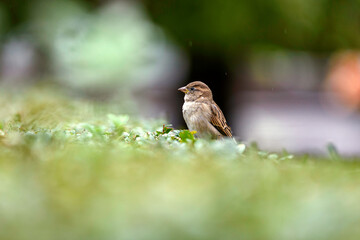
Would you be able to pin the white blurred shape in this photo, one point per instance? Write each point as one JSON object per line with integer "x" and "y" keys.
{"x": 114, "y": 47}
{"x": 297, "y": 122}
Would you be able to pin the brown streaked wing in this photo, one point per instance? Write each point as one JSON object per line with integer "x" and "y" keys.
{"x": 218, "y": 120}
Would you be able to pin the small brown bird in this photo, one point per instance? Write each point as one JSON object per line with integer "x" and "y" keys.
{"x": 201, "y": 113}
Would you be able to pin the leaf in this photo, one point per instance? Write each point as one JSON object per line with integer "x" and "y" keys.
{"x": 119, "y": 122}
{"x": 241, "y": 148}
{"x": 95, "y": 130}
{"x": 165, "y": 130}
{"x": 186, "y": 135}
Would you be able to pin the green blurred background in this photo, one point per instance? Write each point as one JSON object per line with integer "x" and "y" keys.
{"x": 285, "y": 72}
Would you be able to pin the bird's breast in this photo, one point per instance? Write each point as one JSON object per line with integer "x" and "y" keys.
{"x": 196, "y": 115}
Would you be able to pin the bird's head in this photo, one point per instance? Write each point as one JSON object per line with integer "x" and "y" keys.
{"x": 196, "y": 90}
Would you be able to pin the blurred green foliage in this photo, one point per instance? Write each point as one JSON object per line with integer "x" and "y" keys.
{"x": 226, "y": 26}
{"x": 69, "y": 171}
{"x": 87, "y": 46}
{"x": 89, "y": 51}
{"x": 2, "y": 20}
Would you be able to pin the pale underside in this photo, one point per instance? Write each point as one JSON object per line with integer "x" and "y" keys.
{"x": 197, "y": 116}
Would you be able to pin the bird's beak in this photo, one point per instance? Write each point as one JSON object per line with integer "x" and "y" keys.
{"x": 183, "y": 89}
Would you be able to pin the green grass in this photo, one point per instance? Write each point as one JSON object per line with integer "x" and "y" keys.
{"x": 70, "y": 169}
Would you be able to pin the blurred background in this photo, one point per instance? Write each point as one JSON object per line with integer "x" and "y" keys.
{"x": 286, "y": 73}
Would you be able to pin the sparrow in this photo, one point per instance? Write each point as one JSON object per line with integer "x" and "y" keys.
{"x": 201, "y": 113}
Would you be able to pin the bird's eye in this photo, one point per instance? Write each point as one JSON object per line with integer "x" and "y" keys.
{"x": 192, "y": 89}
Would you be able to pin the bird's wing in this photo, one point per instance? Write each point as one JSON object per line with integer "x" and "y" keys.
{"x": 218, "y": 120}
